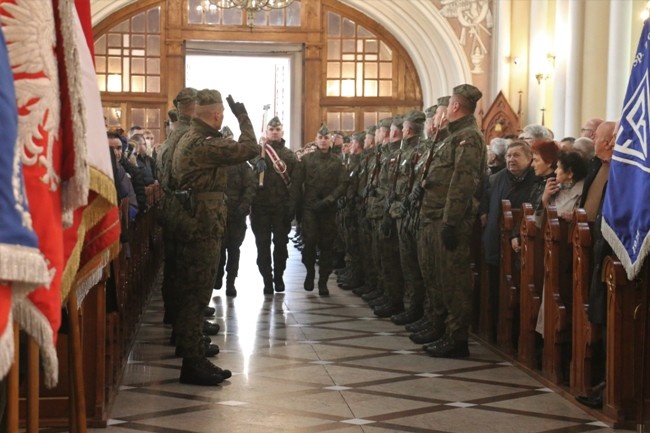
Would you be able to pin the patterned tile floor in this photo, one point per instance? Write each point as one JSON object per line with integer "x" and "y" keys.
{"x": 302, "y": 363}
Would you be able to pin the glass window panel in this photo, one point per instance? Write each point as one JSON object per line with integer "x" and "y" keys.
{"x": 333, "y": 88}
{"x": 385, "y": 88}
{"x": 153, "y": 66}
{"x": 360, "y": 57}
{"x": 333, "y": 24}
{"x": 114, "y": 40}
{"x": 349, "y": 28}
{"x": 100, "y": 45}
{"x": 112, "y": 116}
{"x": 348, "y": 46}
{"x": 362, "y": 32}
{"x": 137, "y": 83}
{"x": 371, "y": 46}
{"x": 359, "y": 71}
{"x": 126, "y": 53}
{"x": 370, "y": 88}
{"x": 276, "y": 17}
{"x": 153, "y": 20}
{"x": 122, "y": 27}
{"x": 259, "y": 18}
{"x": 100, "y": 64}
{"x": 348, "y": 57}
{"x": 386, "y": 70}
{"x": 114, "y": 51}
{"x": 334, "y": 50}
{"x": 153, "y": 45}
{"x": 384, "y": 52}
{"x": 334, "y": 121}
{"x": 194, "y": 15}
{"x": 137, "y": 23}
{"x": 293, "y": 14}
{"x": 138, "y": 53}
{"x": 125, "y": 41}
{"x": 153, "y": 118}
{"x": 369, "y": 119}
{"x": 126, "y": 73}
{"x": 213, "y": 16}
{"x": 371, "y": 57}
{"x": 114, "y": 83}
{"x": 348, "y": 121}
{"x": 333, "y": 70}
{"x": 153, "y": 84}
{"x": 137, "y": 116}
{"x": 370, "y": 70}
{"x": 347, "y": 70}
{"x": 101, "y": 82}
{"x": 347, "y": 88}
{"x": 359, "y": 80}
{"x": 137, "y": 41}
{"x": 233, "y": 17}
{"x": 137, "y": 66}
{"x": 385, "y": 114}
{"x": 114, "y": 65}
{"x": 359, "y": 46}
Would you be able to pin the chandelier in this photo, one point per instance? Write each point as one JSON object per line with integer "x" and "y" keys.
{"x": 250, "y": 6}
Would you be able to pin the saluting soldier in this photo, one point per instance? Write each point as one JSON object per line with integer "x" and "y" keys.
{"x": 449, "y": 209}
{"x": 274, "y": 206}
{"x": 199, "y": 173}
{"x": 322, "y": 179}
{"x": 240, "y": 191}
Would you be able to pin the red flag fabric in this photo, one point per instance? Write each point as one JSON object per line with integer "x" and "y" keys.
{"x": 6, "y": 331}
{"x": 28, "y": 27}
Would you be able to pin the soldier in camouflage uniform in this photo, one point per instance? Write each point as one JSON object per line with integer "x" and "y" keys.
{"x": 240, "y": 191}
{"x": 274, "y": 207}
{"x": 449, "y": 209}
{"x": 388, "y": 242}
{"x": 184, "y": 103}
{"x": 199, "y": 174}
{"x": 410, "y": 154}
{"x": 322, "y": 179}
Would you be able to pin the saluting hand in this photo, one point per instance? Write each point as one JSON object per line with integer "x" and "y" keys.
{"x": 237, "y": 108}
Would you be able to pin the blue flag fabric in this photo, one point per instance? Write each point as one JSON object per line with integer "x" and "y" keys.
{"x": 626, "y": 208}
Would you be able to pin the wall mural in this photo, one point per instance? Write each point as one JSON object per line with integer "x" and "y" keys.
{"x": 476, "y": 20}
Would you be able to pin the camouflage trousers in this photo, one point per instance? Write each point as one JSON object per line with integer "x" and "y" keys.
{"x": 197, "y": 268}
{"x": 170, "y": 284}
{"x": 414, "y": 293}
{"x": 232, "y": 240}
{"x": 391, "y": 271}
{"x": 365, "y": 252}
{"x": 271, "y": 224}
{"x": 318, "y": 231}
{"x": 352, "y": 239}
{"x": 375, "y": 248}
{"x": 448, "y": 276}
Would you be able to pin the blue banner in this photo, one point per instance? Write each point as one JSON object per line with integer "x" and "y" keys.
{"x": 626, "y": 208}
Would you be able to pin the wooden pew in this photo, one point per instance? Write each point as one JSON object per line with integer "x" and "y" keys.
{"x": 584, "y": 333}
{"x": 530, "y": 288}
{"x": 557, "y": 297}
{"x": 508, "y": 281}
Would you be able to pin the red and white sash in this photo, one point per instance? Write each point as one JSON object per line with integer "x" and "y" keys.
{"x": 279, "y": 165}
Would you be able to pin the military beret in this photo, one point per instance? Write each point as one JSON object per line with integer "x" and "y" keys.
{"x": 385, "y": 123}
{"x": 275, "y": 122}
{"x": 226, "y": 132}
{"x": 398, "y": 121}
{"x": 324, "y": 130}
{"x": 415, "y": 117}
{"x": 208, "y": 97}
{"x": 443, "y": 101}
{"x": 371, "y": 129}
{"x": 336, "y": 132}
{"x": 469, "y": 92}
{"x": 173, "y": 115}
{"x": 186, "y": 95}
{"x": 431, "y": 111}
{"x": 359, "y": 136}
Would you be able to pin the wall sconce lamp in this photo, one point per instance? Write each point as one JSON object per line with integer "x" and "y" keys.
{"x": 546, "y": 68}
{"x": 541, "y": 77}
{"x": 645, "y": 13}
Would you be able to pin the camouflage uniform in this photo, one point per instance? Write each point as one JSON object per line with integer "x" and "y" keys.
{"x": 165, "y": 155}
{"x": 362, "y": 175}
{"x": 350, "y": 222}
{"x": 272, "y": 211}
{"x": 199, "y": 164}
{"x": 323, "y": 180}
{"x": 449, "y": 200}
{"x": 240, "y": 191}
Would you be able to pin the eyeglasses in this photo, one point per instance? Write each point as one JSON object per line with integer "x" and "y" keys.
{"x": 585, "y": 130}
{"x": 525, "y": 137}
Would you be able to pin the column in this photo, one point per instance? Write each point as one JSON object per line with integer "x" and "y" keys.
{"x": 575, "y": 26}
{"x": 558, "y": 74}
{"x": 501, "y": 52}
{"x": 538, "y": 47}
{"x": 618, "y": 56}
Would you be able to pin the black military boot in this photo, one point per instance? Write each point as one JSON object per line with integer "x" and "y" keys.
{"x": 210, "y": 328}
{"x": 209, "y": 311}
{"x": 278, "y": 282}
{"x": 408, "y": 316}
{"x": 268, "y": 284}
{"x": 309, "y": 280}
{"x": 389, "y": 309}
{"x": 447, "y": 347}
{"x": 428, "y": 335}
{"x": 322, "y": 286}
{"x": 200, "y": 371}
{"x": 374, "y": 294}
{"x": 360, "y": 291}
{"x": 419, "y": 325}
{"x": 230, "y": 286}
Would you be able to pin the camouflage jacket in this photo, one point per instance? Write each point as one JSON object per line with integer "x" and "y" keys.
{"x": 363, "y": 171}
{"x": 275, "y": 193}
{"x": 458, "y": 165}
{"x": 321, "y": 176}
{"x": 389, "y": 155}
{"x": 166, "y": 152}
{"x": 240, "y": 188}
{"x": 410, "y": 155}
